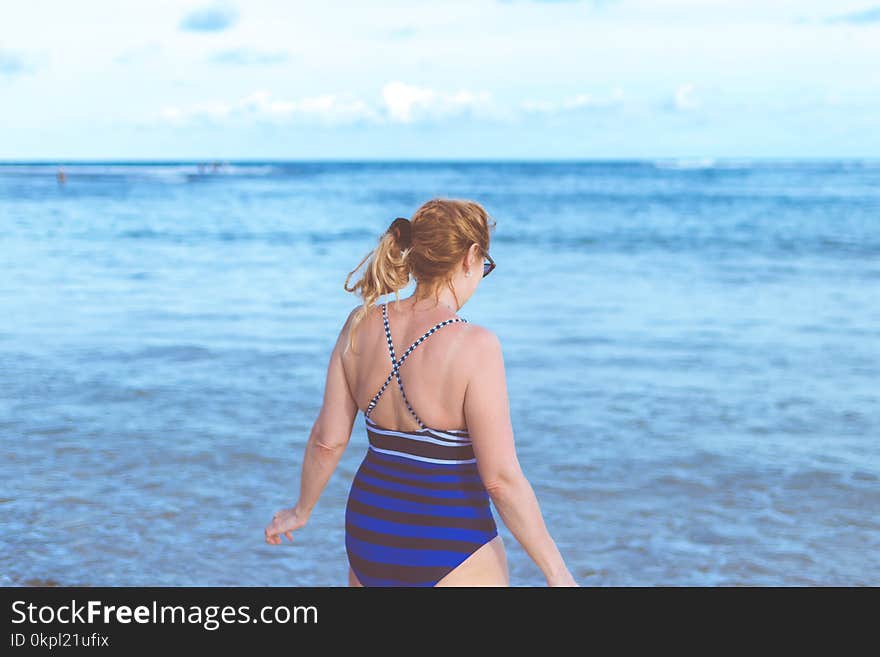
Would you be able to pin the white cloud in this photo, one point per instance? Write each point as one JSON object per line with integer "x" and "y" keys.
{"x": 406, "y": 103}
{"x": 580, "y": 101}
{"x": 328, "y": 108}
{"x": 400, "y": 103}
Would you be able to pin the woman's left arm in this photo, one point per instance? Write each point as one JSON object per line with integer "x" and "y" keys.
{"x": 327, "y": 441}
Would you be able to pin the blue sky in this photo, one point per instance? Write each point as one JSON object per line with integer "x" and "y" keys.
{"x": 464, "y": 79}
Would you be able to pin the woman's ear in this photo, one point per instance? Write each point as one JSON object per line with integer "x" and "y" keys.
{"x": 477, "y": 253}
{"x": 472, "y": 257}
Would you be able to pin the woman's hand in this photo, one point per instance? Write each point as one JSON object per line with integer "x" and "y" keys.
{"x": 284, "y": 522}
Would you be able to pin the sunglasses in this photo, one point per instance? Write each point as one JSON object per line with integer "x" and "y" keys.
{"x": 488, "y": 266}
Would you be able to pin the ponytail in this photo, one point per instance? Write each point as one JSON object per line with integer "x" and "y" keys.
{"x": 387, "y": 271}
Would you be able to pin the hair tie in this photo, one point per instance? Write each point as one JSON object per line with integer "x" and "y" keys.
{"x": 401, "y": 229}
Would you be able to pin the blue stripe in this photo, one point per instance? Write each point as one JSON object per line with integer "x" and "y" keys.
{"x": 392, "y": 504}
{"x": 404, "y": 556}
{"x": 476, "y": 495}
{"x": 463, "y": 478}
{"x": 417, "y": 531}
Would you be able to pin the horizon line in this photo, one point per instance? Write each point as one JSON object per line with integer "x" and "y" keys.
{"x": 505, "y": 160}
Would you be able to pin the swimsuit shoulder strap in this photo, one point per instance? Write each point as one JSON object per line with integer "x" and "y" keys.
{"x": 395, "y": 364}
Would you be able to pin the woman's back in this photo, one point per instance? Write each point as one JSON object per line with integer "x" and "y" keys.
{"x": 433, "y": 347}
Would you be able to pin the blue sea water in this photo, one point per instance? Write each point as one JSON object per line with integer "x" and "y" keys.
{"x": 692, "y": 351}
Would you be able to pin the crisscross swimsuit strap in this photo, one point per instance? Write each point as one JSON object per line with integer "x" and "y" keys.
{"x": 395, "y": 364}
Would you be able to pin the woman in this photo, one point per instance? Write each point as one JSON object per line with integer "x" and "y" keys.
{"x": 418, "y": 512}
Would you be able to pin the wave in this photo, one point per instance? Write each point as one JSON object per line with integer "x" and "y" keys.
{"x": 698, "y": 163}
{"x": 172, "y": 172}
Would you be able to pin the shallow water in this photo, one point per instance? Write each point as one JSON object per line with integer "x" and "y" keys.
{"x": 692, "y": 352}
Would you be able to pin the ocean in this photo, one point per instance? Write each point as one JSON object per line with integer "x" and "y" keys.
{"x": 692, "y": 350}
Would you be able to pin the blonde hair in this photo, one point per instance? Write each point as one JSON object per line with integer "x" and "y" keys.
{"x": 428, "y": 247}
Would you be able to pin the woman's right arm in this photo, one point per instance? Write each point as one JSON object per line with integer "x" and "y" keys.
{"x": 488, "y": 421}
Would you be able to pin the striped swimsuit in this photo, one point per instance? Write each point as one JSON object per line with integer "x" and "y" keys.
{"x": 417, "y": 506}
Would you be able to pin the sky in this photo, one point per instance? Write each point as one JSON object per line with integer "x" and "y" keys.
{"x": 450, "y": 79}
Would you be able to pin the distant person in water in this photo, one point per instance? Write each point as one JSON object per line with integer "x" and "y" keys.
{"x": 61, "y": 176}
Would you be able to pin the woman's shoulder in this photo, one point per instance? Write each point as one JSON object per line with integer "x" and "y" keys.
{"x": 360, "y": 314}
{"x": 479, "y": 342}
{"x": 479, "y": 357}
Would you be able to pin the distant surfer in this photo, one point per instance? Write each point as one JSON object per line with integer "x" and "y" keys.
{"x": 61, "y": 176}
